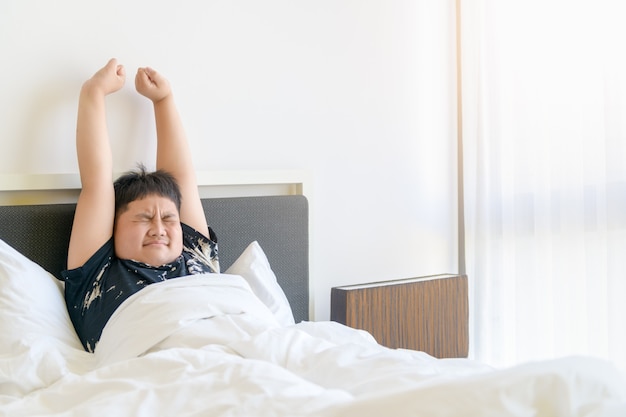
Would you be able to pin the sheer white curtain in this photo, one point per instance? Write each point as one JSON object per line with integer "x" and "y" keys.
{"x": 544, "y": 165}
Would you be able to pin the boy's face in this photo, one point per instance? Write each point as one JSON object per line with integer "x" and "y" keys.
{"x": 149, "y": 231}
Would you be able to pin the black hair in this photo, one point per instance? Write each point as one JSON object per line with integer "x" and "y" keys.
{"x": 137, "y": 184}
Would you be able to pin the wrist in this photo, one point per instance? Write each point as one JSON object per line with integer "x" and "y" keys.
{"x": 91, "y": 89}
{"x": 166, "y": 99}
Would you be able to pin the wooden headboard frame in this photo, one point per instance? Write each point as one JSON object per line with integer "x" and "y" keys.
{"x": 278, "y": 222}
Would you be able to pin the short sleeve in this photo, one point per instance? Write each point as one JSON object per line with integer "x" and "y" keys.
{"x": 200, "y": 251}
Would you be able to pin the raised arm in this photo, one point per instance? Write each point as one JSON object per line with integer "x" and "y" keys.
{"x": 173, "y": 153}
{"x": 95, "y": 210}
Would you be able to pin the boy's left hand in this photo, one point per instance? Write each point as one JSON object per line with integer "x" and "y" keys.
{"x": 151, "y": 84}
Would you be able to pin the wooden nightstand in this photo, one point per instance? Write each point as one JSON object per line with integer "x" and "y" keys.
{"x": 429, "y": 314}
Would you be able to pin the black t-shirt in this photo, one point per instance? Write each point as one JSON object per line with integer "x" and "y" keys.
{"x": 95, "y": 290}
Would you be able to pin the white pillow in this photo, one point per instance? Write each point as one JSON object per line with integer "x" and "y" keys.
{"x": 35, "y": 325}
{"x": 254, "y": 267}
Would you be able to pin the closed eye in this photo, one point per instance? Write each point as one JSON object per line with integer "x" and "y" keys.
{"x": 143, "y": 217}
{"x": 170, "y": 218}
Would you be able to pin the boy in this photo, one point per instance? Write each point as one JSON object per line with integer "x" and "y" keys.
{"x": 145, "y": 227}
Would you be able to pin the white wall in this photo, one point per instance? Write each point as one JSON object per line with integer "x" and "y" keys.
{"x": 359, "y": 93}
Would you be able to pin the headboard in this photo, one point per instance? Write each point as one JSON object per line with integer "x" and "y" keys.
{"x": 278, "y": 223}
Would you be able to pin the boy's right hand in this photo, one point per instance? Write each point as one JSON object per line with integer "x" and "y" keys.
{"x": 108, "y": 79}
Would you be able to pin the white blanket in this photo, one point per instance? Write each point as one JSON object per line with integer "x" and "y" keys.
{"x": 206, "y": 346}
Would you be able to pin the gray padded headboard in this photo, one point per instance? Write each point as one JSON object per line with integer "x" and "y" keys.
{"x": 278, "y": 223}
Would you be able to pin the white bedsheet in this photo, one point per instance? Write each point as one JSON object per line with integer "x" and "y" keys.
{"x": 206, "y": 346}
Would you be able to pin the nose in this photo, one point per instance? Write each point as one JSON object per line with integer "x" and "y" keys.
{"x": 157, "y": 227}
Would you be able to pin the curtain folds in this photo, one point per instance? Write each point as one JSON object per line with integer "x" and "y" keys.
{"x": 543, "y": 104}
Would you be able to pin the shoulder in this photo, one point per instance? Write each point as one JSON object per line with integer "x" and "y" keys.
{"x": 199, "y": 247}
{"x": 90, "y": 268}
{"x": 189, "y": 233}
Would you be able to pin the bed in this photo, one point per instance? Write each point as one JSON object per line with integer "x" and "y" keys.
{"x": 240, "y": 343}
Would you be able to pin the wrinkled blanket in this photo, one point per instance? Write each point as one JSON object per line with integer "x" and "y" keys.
{"x": 204, "y": 345}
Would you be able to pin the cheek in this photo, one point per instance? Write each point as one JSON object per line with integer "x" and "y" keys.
{"x": 128, "y": 235}
{"x": 176, "y": 237}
